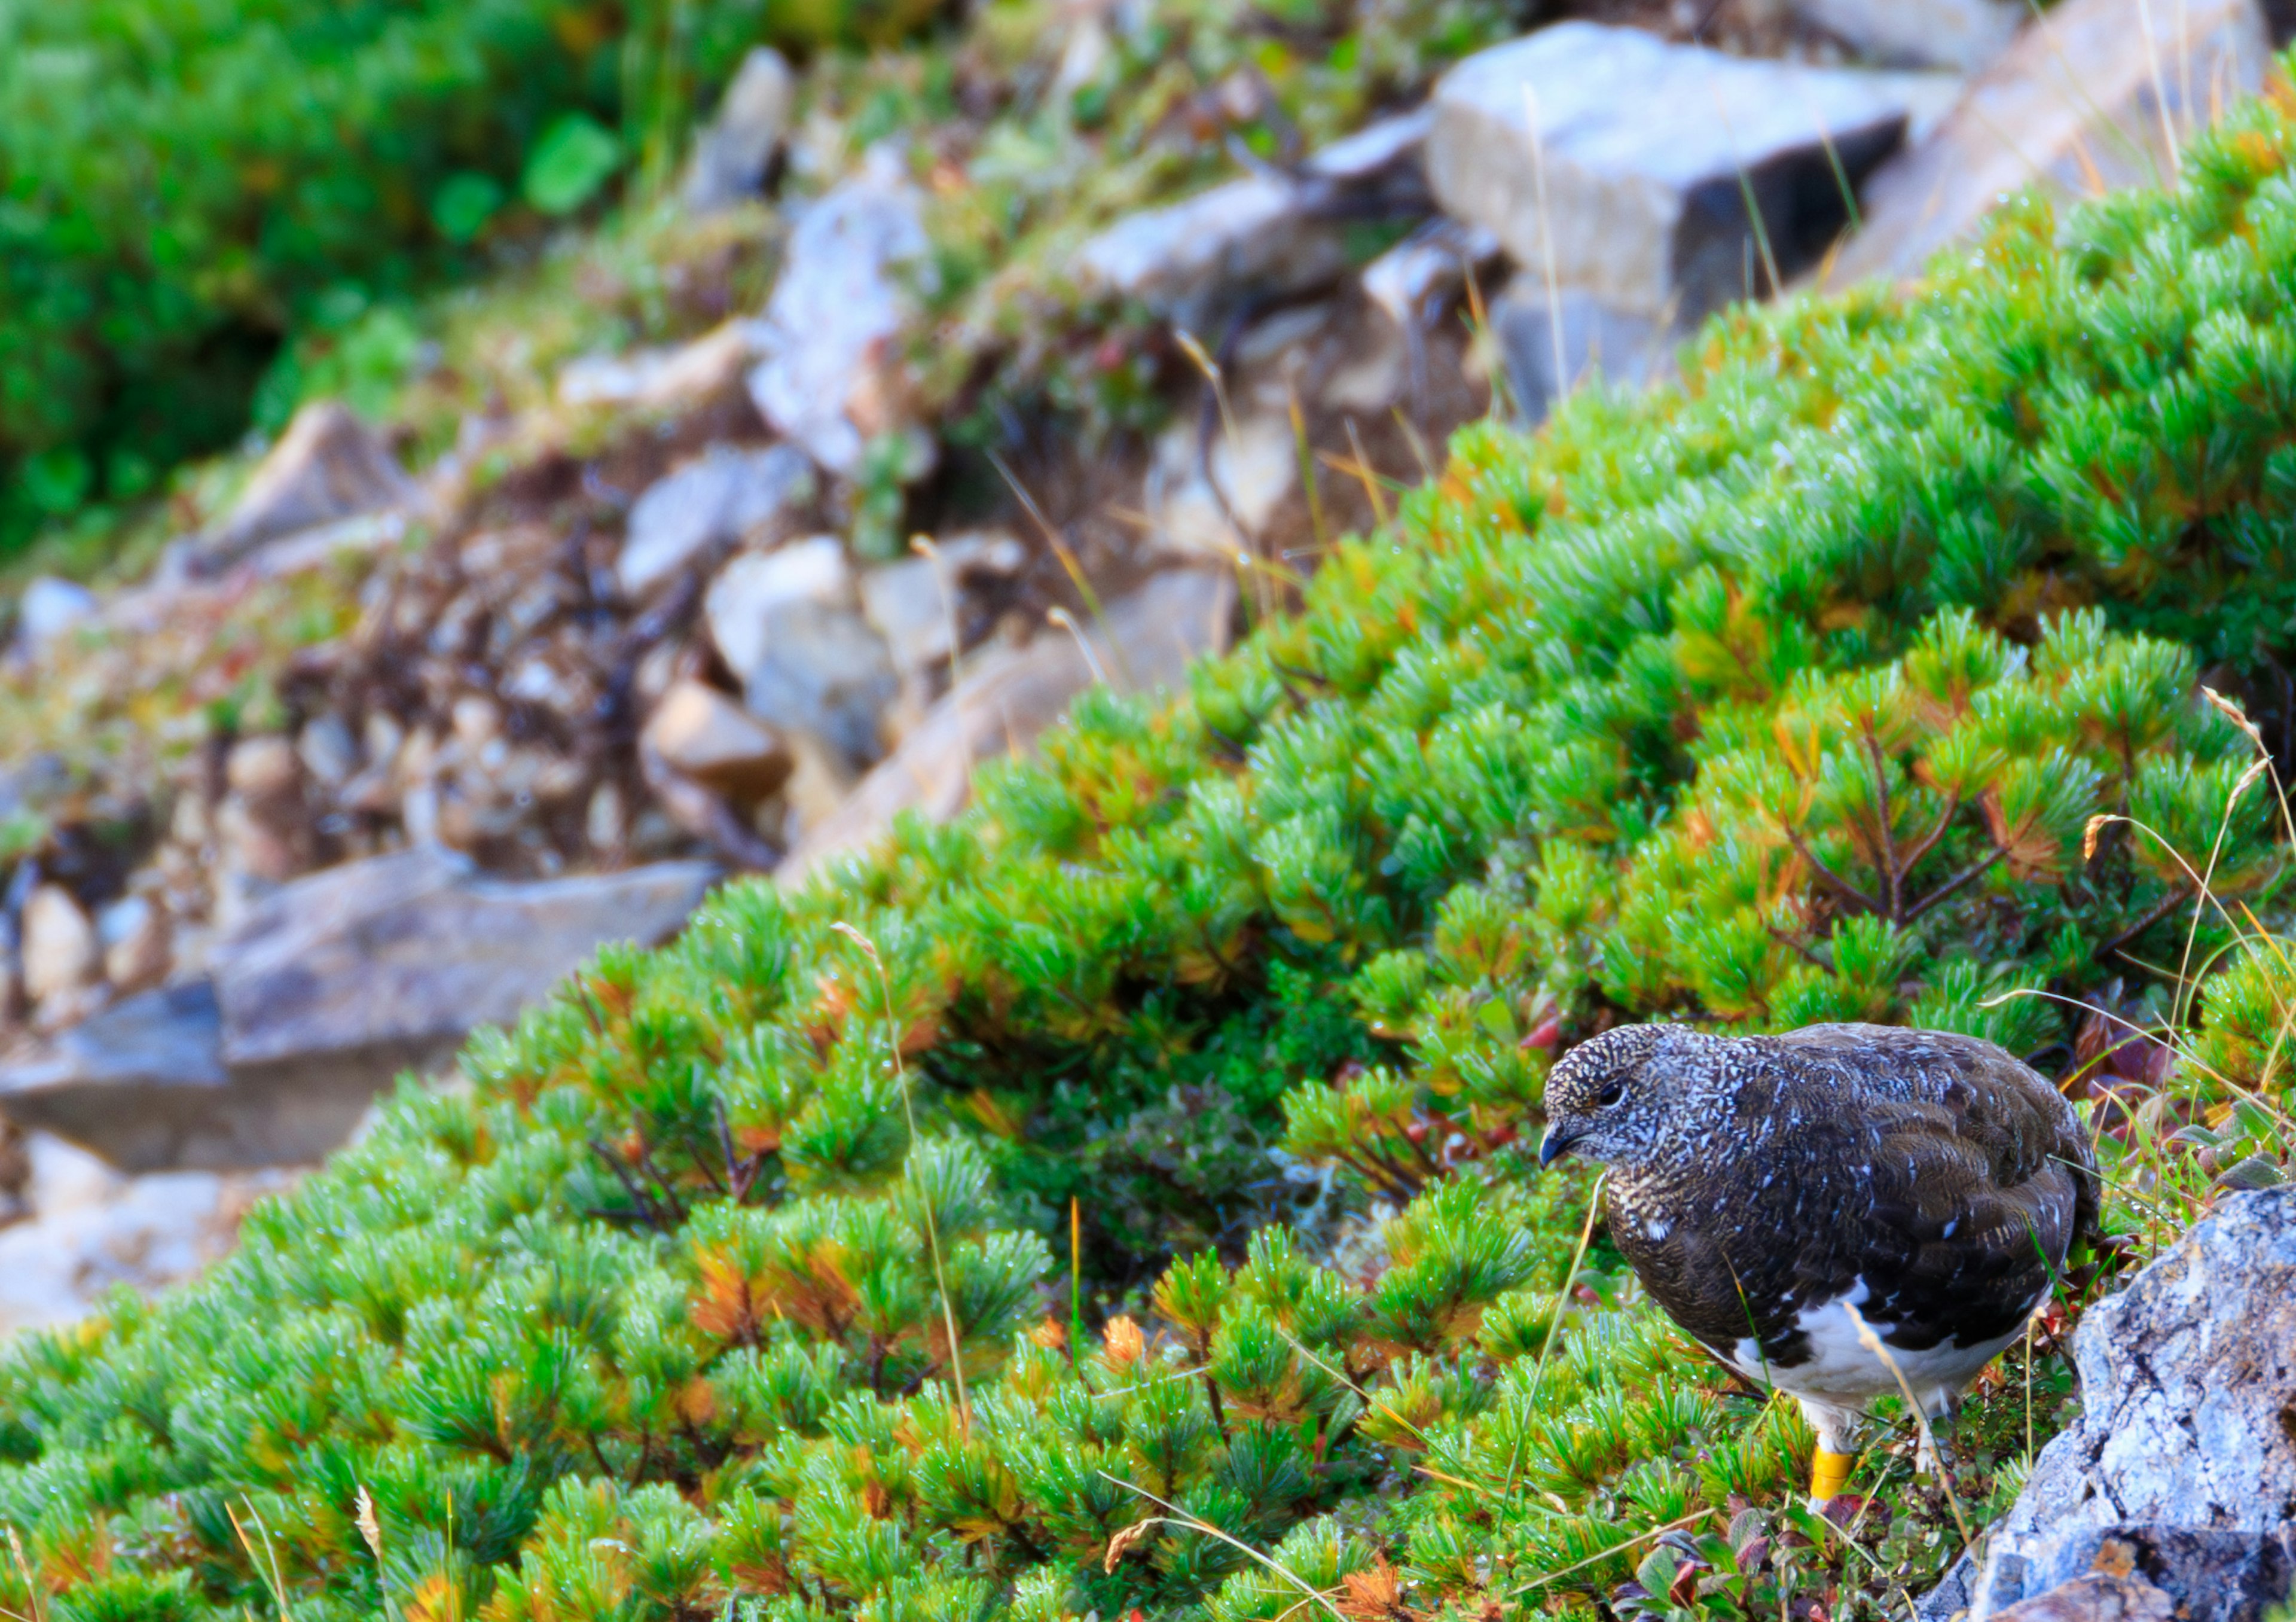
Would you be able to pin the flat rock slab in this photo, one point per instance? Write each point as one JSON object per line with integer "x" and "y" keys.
{"x": 334, "y": 984}
{"x": 2070, "y": 108}
{"x": 2182, "y": 1465}
{"x": 1645, "y": 155}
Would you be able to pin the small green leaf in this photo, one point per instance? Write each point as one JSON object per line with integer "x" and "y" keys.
{"x": 462, "y": 207}
{"x": 575, "y": 156}
{"x": 1499, "y": 1020}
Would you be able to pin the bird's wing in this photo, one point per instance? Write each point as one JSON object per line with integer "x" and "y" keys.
{"x": 1975, "y": 1203}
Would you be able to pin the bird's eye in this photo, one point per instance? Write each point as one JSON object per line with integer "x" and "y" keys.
{"x": 1610, "y": 1094}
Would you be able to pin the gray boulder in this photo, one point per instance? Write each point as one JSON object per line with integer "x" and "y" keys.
{"x": 2069, "y": 108}
{"x": 731, "y": 156}
{"x": 709, "y": 502}
{"x": 1551, "y": 348}
{"x": 1650, "y": 152}
{"x": 1964, "y": 34}
{"x": 2182, "y": 1468}
{"x": 332, "y": 986}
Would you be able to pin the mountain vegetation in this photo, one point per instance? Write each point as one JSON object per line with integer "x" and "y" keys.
{"x": 1123, "y": 1200}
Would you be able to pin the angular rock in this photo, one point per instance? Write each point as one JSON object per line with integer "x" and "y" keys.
{"x": 1265, "y": 233}
{"x": 1963, "y": 35}
{"x": 837, "y": 309}
{"x": 50, "y": 607}
{"x": 658, "y": 379}
{"x": 141, "y": 1082}
{"x": 329, "y": 988}
{"x": 61, "y": 952}
{"x": 711, "y": 501}
{"x": 732, "y": 154}
{"x": 1010, "y": 696}
{"x": 1209, "y": 500}
{"x": 329, "y": 465}
{"x": 787, "y": 623}
{"x": 1597, "y": 340}
{"x": 909, "y": 602}
{"x": 1649, "y": 151}
{"x": 2182, "y": 1467}
{"x": 2095, "y": 1598}
{"x": 2069, "y": 107}
{"x": 697, "y": 730}
{"x": 389, "y": 962}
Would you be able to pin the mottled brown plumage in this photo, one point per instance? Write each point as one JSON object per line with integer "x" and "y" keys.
{"x": 1757, "y": 1183}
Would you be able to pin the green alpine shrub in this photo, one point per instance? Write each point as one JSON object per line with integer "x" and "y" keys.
{"x": 1862, "y": 677}
{"x": 189, "y": 182}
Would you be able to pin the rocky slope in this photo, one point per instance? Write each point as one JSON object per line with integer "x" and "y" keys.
{"x": 375, "y": 755}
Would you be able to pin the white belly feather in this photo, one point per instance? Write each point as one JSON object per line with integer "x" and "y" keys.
{"x": 1840, "y": 1371}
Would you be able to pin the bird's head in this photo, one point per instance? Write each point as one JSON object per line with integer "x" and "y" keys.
{"x": 1612, "y": 1099}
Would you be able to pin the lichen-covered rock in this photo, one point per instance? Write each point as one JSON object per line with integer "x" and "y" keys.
{"x": 2186, "y": 1450}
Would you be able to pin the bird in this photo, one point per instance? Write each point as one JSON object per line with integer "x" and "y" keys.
{"x": 1793, "y": 1202}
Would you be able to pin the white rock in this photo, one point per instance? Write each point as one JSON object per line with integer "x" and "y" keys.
{"x": 731, "y": 156}
{"x": 327, "y": 750}
{"x": 605, "y": 821}
{"x": 1251, "y": 232}
{"x": 753, "y": 586}
{"x": 65, "y": 1177}
{"x": 710, "y": 501}
{"x": 50, "y": 607}
{"x": 1964, "y": 34}
{"x": 911, "y": 609}
{"x": 1647, "y": 149}
{"x": 837, "y": 309}
{"x": 826, "y": 672}
{"x": 2182, "y": 1441}
{"x": 60, "y": 946}
{"x": 2069, "y": 107}
{"x": 1197, "y": 497}
{"x": 133, "y": 934}
{"x": 1427, "y": 267}
{"x": 656, "y": 379}
{"x": 145, "y": 1232}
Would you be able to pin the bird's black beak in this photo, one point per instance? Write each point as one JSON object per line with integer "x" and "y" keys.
{"x": 1555, "y": 1145}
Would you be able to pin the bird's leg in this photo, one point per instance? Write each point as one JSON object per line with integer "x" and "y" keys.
{"x": 1837, "y": 1429}
{"x": 1935, "y": 1453}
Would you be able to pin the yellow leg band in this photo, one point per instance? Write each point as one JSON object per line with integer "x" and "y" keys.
{"x": 1829, "y": 1473}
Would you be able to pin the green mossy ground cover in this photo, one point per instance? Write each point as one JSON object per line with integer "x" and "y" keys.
{"x": 741, "y": 1275}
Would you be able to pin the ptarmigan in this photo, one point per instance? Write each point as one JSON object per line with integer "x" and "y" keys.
{"x": 1758, "y": 1183}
